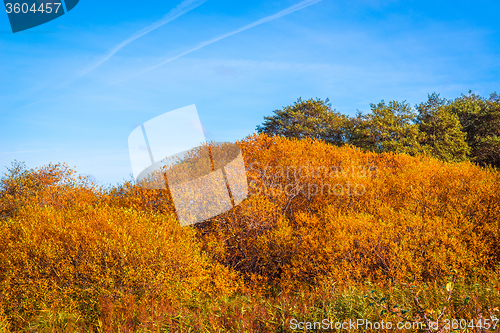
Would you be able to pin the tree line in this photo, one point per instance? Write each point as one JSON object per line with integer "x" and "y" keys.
{"x": 466, "y": 128}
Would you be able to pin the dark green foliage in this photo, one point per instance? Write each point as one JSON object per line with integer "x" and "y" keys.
{"x": 480, "y": 118}
{"x": 313, "y": 119}
{"x": 389, "y": 128}
{"x": 443, "y": 136}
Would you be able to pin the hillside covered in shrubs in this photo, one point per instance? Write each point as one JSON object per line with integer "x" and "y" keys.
{"x": 326, "y": 232}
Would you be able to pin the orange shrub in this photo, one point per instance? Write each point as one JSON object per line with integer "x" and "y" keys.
{"x": 320, "y": 212}
{"x": 85, "y": 253}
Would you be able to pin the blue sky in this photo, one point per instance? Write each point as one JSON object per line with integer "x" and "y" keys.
{"x": 73, "y": 89}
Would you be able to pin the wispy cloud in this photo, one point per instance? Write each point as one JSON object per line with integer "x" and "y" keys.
{"x": 24, "y": 106}
{"x": 289, "y": 10}
{"x": 181, "y": 9}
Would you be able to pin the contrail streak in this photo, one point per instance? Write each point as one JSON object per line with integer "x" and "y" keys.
{"x": 289, "y": 10}
{"x": 178, "y": 11}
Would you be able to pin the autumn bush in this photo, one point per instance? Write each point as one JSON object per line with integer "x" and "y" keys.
{"x": 65, "y": 244}
{"x": 322, "y": 212}
{"x": 322, "y": 227}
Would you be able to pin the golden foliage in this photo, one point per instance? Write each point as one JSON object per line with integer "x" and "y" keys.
{"x": 322, "y": 212}
{"x": 72, "y": 245}
{"x": 316, "y": 215}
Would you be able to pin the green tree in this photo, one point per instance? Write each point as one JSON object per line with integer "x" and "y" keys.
{"x": 389, "y": 128}
{"x": 313, "y": 118}
{"x": 443, "y": 136}
{"x": 480, "y": 118}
